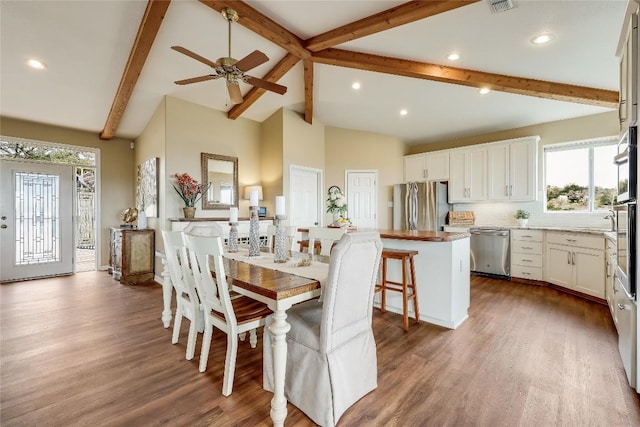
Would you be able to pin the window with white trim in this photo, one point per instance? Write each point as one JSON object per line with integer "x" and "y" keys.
{"x": 580, "y": 176}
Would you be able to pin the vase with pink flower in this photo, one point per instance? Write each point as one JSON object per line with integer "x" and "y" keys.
{"x": 190, "y": 191}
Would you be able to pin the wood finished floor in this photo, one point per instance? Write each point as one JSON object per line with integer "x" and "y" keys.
{"x": 85, "y": 350}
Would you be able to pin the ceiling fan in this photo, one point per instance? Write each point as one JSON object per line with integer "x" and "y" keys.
{"x": 231, "y": 69}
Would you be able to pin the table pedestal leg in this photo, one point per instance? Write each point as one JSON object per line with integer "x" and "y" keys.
{"x": 167, "y": 292}
{"x": 279, "y": 329}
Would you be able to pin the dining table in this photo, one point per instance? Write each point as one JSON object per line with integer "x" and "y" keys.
{"x": 279, "y": 286}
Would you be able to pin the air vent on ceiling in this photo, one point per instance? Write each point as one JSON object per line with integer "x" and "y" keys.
{"x": 498, "y": 6}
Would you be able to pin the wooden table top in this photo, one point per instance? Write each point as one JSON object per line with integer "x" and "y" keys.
{"x": 272, "y": 284}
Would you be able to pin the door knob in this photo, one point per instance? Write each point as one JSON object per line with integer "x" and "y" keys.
{"x": 3, "y": 217}
{"x": 3, "y": 226}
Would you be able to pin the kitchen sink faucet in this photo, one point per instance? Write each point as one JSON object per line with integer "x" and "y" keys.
{"x": 612, "y": 216}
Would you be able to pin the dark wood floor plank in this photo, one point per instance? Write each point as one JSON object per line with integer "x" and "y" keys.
{"x": 86, "y": 350}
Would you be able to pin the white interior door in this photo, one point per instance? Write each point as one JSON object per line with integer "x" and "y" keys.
{"x": 35, "y": 220}
{"x": 361, "y": 198}
{"x": 305, "y": 185}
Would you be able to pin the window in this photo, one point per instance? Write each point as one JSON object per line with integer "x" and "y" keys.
{"x": 581, "y": 176}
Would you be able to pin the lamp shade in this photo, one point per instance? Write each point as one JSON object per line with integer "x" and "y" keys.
{"x": 249, "y": 188}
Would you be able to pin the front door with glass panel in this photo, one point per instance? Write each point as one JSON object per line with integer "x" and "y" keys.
{"x": 35, "y": 220}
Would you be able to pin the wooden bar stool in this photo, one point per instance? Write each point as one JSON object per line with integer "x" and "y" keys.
{"x": 408, "y": 288}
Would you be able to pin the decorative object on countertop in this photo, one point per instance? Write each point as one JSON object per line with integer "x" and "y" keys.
{"x": 254, "y": 225}
{"x": 337, "y": 205}
{"x": 129, "y": 216}
{"x": 233, "y": 230}
{"x": 280, "y": 248}
{"x": 523, "y": 217}
{"x": 461, "y": 218}
{"x": 190, "y": 191}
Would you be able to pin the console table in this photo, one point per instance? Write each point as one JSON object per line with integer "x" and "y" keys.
{"x": 132, "y": 254}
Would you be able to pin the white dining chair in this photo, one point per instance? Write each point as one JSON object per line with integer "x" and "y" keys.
{"x": 331, "y": 351}
{"x": 326, "y": 236}
{"x": 187, "y": 300}
{"x": 289, "y": 236}
{"x": 232, "y": 316}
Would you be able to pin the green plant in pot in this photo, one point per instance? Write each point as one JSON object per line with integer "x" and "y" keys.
{"x": 523, "y": 217}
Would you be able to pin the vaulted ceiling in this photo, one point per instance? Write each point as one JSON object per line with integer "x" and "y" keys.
{"x": 396, "y": 50}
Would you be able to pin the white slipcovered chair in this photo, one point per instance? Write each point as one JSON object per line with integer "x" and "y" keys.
{"x": 232, "y": 316}
{"x": 187, "y": 300}
{"x": 326, "y": 236}
{"x": 331, "y": 352}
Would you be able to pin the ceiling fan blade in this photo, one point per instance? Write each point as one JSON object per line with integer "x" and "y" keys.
{"x": 197, "y": 79}
{"x": 273, "y": 87}
{"x": 235, "y": 95}
{"x": 194, "y": 55}
{"x": 252, "y": 60}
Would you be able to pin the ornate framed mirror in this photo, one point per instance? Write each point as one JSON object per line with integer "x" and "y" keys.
{"x": 221, "y": 174}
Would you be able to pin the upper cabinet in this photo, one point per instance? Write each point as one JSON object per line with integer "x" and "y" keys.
{"x": 468, "y": 172}
{"x": 628, "y": 53}
{"x": 512, "y": 170}
{"x": 427, "y": 167}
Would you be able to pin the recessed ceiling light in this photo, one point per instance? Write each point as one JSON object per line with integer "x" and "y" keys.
{"x": 542, "y": 38}
{"x": 36, "y": 63}
{"x": 355, "y": 85}
{"x": 453, "y": 57}
{"x": 484, "y": 90}
{"x": 403, "y": 112}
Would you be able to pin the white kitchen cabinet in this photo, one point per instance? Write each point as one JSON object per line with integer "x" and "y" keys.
{"x": 576, "y": 262}
{"x": 468, "y": 175}
{"x": 427, "y": 167}
{"x": 628, "y": 102}
{"x": 527, "y": 254}
{"x": 513, "y": 170}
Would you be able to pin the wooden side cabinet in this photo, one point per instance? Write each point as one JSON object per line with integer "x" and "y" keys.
{"x": 132, "y": 255}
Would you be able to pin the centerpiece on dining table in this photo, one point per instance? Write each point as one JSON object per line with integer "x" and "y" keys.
{"x": 337, "y": 205}
{"x": 190, "y": 191}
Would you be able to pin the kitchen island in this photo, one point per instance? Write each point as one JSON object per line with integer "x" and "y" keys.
{"x": 442, "y": 274}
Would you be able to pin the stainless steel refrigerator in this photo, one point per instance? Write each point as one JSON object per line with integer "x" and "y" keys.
{"x": 420, "y": 206}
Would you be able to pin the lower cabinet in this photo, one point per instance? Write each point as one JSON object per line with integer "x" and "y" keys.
{"x": 576, "y": 262}
{"x": 132, "y": 255}
{"x": 526, "y": 254}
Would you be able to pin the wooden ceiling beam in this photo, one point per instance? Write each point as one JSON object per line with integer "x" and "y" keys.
{"x": 390, "y": 18}
{"x": 308, "y": 90}
{"x": 147, "y": 31}
{"x": 255, "y": 93}
{"x": 262, "y": 25}
{"x": 479, "y": 79}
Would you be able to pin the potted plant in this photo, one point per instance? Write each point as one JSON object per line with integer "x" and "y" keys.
{"x": 523, "y": 217}
{"x": 337, "y": 205}
{"x": 190, "y": 191}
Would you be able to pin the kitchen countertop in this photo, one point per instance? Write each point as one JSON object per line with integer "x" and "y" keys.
{"x": 595, "y": 231}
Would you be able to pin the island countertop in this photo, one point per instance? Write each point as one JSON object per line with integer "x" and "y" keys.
{"x": 423, "y": 236}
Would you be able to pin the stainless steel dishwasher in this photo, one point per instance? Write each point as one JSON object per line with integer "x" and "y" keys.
{"x": 490, "y": 252}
